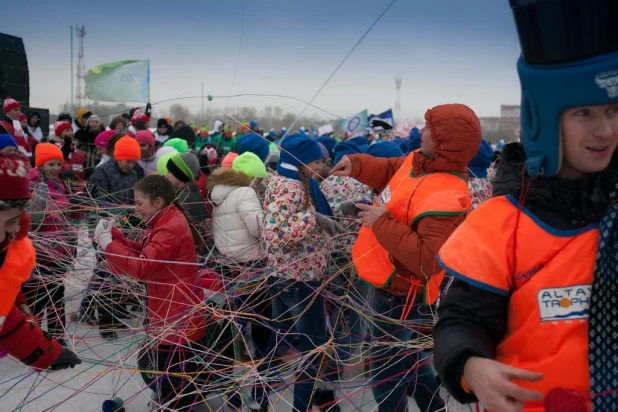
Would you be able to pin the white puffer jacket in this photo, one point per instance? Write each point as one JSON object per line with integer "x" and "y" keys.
{"x": 236, "y": 215}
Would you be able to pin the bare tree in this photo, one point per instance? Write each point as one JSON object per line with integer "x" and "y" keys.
{"x": 179, "y": 112}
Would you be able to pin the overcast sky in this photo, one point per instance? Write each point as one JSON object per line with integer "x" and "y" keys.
{"x": 445, "y": 50}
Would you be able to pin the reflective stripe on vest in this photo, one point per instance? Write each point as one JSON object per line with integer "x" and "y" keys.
{"x": 548, "y": 275}
{"x": 16, "y": 269}
{"x": 409, "y": 198}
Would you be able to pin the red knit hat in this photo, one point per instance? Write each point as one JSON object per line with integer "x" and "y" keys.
{"x": 145, "y": 136}
{"x": 138, "y": 115}
{"x": 13, "y": 179}
{"x": 22, "y": 117}
{"x": 127, "y": 148}
{"x": 60, "y": 127}
{"x": 44, "y": 152}
{"x": 10, "y": 104}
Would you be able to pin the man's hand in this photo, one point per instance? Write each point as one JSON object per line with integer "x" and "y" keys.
{"x": 371, "y": 213}
{"x": 343, "y": 168}
{"x": 492, "y": 384}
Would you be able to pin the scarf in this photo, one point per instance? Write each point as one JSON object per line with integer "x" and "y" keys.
{"x": 321, "y": 205}
{"x": 603, "y": 320}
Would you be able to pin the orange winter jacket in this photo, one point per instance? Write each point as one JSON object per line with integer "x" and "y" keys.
{"x": 456, "y": 135}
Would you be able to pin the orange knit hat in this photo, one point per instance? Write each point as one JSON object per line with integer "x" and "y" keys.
{"x": 44, "y": 152}
{"x": 127, "y": 148}
{"x": 228, "y": 160}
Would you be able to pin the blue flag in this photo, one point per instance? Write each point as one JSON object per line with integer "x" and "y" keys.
{"x": 386, "y": 116}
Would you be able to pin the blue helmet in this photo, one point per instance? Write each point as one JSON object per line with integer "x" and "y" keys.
{"x": 568, "y": 60}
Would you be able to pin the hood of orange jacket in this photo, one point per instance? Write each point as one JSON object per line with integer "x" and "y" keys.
{"x": 456, "y": 134}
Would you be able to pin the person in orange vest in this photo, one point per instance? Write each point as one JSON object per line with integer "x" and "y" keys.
{"x": 530, "y": 321}
{"x": 423, "y": 197}
{"x": 20, "y": 336}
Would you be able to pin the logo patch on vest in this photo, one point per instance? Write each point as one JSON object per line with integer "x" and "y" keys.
{"x": 386, "y": 195}
{"x": 568, "y": 303}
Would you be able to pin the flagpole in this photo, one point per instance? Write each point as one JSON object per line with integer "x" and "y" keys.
{"x": 72, "y": 106}
{"x": 148, "y": 81}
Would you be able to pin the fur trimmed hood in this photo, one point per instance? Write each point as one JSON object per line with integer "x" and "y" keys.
{"x": 228, "y": 177}
{"x": 223, "y": 181}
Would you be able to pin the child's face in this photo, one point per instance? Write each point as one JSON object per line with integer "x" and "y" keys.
{"x": 101, "y": 151}
{"x": 312, "y": 168}
{"x": 10, "y": 149}
{"x": 144, "y": 206}
{"x": 175, "y": 182}
{"x": 589, "y": 139}
{"x": 146, "y": 150}
{"x": 9, "y": 222}
{"x": 126, "y": 165}
{"x": 52, "y": 168}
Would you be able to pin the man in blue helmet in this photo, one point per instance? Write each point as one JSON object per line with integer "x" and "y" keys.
{"x": 530, "y": 321}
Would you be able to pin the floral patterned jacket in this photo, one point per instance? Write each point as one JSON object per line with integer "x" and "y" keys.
{"x": 338, "y": 189}
{"x": 294, "y": 243}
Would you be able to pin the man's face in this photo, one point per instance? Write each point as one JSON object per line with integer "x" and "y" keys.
{"x": 14, "y": 113}
{"x": 426, "y": 142}
{"x": 24, "y": 124}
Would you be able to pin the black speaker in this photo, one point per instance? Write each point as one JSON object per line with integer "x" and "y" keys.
{"x": 14, "y": 74}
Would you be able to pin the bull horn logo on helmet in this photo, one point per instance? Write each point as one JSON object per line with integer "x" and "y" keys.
{"x": 609, "y": 82}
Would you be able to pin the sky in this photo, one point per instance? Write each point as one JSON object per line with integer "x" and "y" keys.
{"x": 445, "y": 51}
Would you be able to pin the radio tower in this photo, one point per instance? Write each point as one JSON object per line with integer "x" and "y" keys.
{"x": 80, "y": 95}
{"x": 398, "y": 98}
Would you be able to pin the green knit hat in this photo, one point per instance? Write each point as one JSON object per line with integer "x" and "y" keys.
{"x": 179, "y": 144}
{"x": 184, "y": 166}
{"x": 162, "y": 163}
{"x": 250, "y": 164}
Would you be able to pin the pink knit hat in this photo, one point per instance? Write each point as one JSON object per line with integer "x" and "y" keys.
{"x": 103, "y": 138}
{"x": 145, "y": 136}
{"x": 228, "y": 160}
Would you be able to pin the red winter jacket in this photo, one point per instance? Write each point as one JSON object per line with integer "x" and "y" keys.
{"x": 174, "y": 291}
{"x": 20, "y": 336}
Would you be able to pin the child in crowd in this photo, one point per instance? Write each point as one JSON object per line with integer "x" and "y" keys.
{"x": 101, "y": 142}
{"x": 258, "y": 145}
{"x": 7, "y": 143}
{"x": 182, "y": 170}
{"x": 111, "y": 184}
{"x": 297, "y": 225}
{"x": 165, "y": 259}
{"x": 114, "y": 180}
{"x": 56, "y": 237}
{"x": 481, "y": 175}
{"x": 342, "y": 194}
{"x": 147, "y": 161}
{"x": 237, "y": 211}
{"x": 208, "y": 162}
{"x": 19, "y": 336}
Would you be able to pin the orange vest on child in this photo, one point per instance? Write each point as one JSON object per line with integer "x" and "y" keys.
{"x": 548, "y": 275}
{"x": 16, "y": 269}
{"x": 409, "y": 198}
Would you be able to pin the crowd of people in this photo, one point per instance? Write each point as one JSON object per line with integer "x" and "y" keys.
{"x": 311, "y": 247}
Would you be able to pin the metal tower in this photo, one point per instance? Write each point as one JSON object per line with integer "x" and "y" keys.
{"x": 398, "y": 99}
{"x": 80, "y": 95}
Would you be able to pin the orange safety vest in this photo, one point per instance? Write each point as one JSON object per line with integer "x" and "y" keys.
{"x": 409, "y": 198}
{"x": 16, "y": 269}
{"x": 548, "y": 275}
